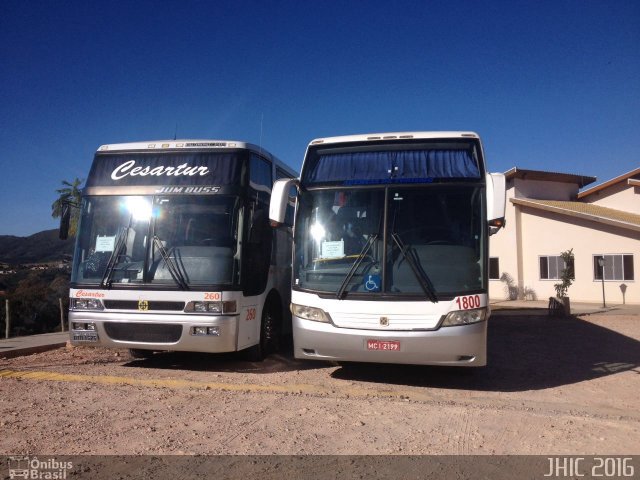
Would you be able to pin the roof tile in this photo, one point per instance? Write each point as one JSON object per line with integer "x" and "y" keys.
{"x": 585, "y": 209}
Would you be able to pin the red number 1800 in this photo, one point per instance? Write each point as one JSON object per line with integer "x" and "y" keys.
{"x": 466, "y": 303}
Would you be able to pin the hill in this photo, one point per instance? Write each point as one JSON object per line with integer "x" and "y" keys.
{"x": 40, "y": 247}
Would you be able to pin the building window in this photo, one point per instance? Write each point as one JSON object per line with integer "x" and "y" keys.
{"x": 616, "y": 267}
{"x": 551, "y": 267}
{"x": 494, "y": 268}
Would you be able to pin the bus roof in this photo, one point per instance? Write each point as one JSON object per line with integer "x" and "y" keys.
{"x": 177, "y": 144}
{"x": 194, "y": 144}
{"x": 392, "y": 136}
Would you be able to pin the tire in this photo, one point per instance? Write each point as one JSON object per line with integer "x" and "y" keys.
{"x": 270, "y": 334}
{"x": 141, "y": 354}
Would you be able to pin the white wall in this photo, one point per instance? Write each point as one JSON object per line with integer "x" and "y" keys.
{"x": 531, "y": 233}
{"x": 503, "y": 245}
{"x": 548, "y": 233}
{"x": 620, "y": 197}
{"x": 544, "y": 190}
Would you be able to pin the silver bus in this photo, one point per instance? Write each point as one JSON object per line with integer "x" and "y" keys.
{"x": 174, "y": 250}
{"x": 390, "y": 256}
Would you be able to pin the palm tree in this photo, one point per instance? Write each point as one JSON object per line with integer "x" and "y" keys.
{"x": 68, "y": 194}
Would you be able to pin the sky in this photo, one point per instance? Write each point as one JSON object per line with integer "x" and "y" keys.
{"x": 548, "y": 85}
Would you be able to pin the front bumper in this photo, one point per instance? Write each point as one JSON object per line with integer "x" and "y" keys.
{"x": 155, "y": 332}
{"x": 452, "y": 346}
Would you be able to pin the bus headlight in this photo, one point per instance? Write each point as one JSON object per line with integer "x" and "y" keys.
{"x": 212, "y": 307}
{"x": 310, "y": 313}
{"x": 86, "y": 304}
{"x": 464, "y": 317}
{"x": 83, "y": 326}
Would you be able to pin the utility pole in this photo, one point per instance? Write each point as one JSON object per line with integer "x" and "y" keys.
{"x": 61, "y": 314}
{"x": 7, "y": 323}
{"x": 601, "y": 264}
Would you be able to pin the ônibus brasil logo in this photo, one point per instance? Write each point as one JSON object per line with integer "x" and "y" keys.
{"x": 34, "y": 468}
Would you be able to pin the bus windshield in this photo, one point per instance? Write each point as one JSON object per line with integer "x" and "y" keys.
{"x": 404, "y": 240}
{"x": 177, "y": 240}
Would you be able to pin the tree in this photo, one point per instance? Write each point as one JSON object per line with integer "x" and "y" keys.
{"x": 34, "y": 301}
{"x": 69, "y": 193}
{"x": 567, "y": 275}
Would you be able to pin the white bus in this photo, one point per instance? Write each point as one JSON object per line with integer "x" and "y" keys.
{"x": 174, "y": 250}
{"x": 390, "y": 256}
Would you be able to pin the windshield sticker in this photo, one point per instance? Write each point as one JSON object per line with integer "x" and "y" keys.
{"x": 333, "y": 249}
{"x": 105, "y": 244}
{"x": 372, "y": 283}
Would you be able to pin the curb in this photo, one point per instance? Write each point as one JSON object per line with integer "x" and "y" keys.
{"x": 19, "y": 352}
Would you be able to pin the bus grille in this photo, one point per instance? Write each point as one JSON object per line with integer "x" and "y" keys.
{"x": 143, "y": 332}
{"x": 151, "y": 305}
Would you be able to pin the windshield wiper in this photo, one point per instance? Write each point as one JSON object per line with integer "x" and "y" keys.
{"x": 120, "y": 242}
{"x": 423, "y": 278}
{"x": 341, "y": 291}
{"x": 175, "y": 272}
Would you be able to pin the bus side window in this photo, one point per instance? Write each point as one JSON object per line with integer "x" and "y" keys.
{"x": 260, "y": 178}
{"x": 257, "y": 247}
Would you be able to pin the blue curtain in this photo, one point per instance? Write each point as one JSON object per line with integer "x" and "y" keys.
{"x": 392, "y": 166}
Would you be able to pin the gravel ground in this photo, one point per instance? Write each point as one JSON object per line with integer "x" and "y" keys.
{"x": 552, "y": 387}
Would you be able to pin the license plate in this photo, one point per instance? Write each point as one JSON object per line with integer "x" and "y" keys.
{"x": 386, "y": 345}
{"x": 85, "y": 337}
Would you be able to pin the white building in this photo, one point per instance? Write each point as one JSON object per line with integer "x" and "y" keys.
{"x": 547, "y": 214}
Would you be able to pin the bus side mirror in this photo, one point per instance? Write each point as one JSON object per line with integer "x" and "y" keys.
{"x": 496, "y": 199}
{"x": 280, "y": 200}
{"x": 65, "y": 219}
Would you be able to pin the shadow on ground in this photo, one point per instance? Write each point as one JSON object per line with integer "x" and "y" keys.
{"x": 225, "y": 362}
{"x": 526, "y": 352}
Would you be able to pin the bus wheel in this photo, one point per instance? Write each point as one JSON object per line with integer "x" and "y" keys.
{"x": 139, "y": 353}
{"x": 270, "y": 332}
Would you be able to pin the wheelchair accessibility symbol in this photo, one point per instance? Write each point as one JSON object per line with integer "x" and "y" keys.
{"x": 372, "y": 283}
